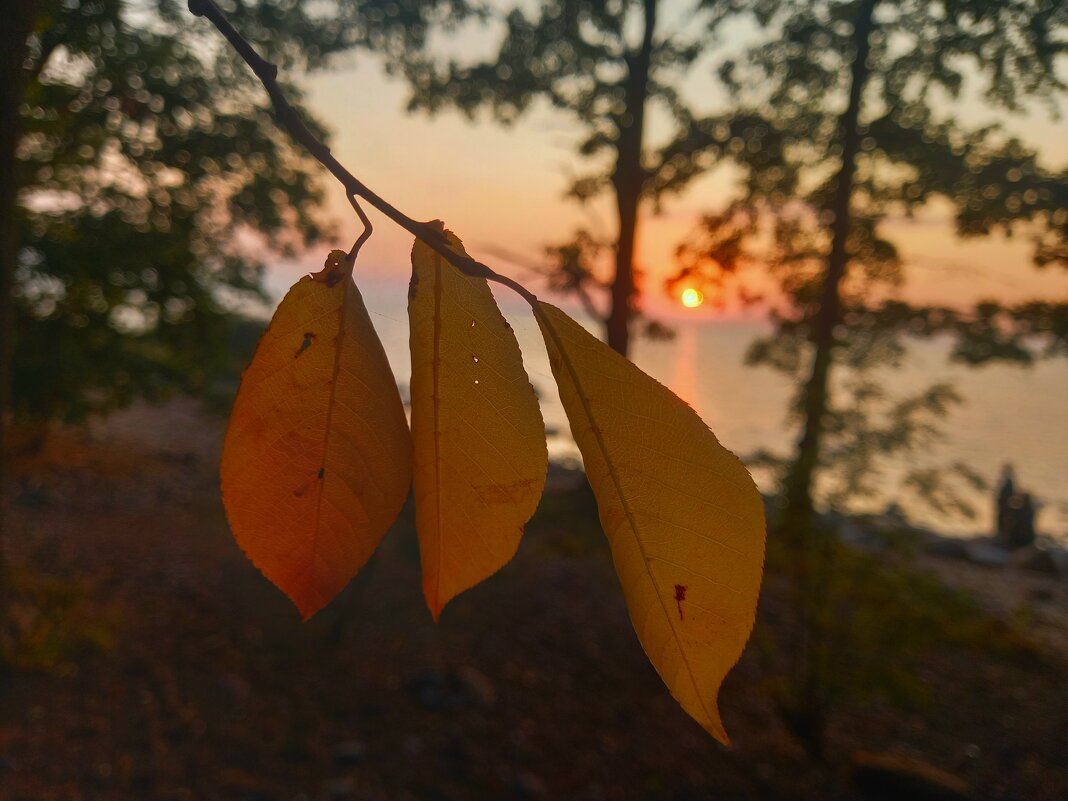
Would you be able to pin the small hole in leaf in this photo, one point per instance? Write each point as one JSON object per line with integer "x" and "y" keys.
{"x": 472, "y": 323}
{"x": 309, "y": 337}
{"x": 474, "y": 359}
{"x": 476, "y": 380}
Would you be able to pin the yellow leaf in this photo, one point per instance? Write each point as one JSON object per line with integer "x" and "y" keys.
{"x": 480, "y": 457}
{"x": 317, "y": 458}
{"x": 684, "y": 520}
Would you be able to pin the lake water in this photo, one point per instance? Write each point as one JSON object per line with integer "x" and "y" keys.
{"x": 1013, "y": 414}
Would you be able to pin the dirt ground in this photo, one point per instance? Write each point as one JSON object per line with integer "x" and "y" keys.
{"x": 173, "y": 670}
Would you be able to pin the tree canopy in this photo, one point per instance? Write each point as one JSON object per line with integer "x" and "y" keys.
{"x": 149, "y": 191}
{"x": 847, "y": 113}
{"x": 850, "y": 120}
{"x": 609, "y": 66}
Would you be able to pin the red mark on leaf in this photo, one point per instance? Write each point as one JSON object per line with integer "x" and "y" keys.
{"x": 680, "y": 596}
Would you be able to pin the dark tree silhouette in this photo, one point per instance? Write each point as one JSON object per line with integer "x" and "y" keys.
{"x": 848, "y": 106}
{"x": 126, "y": 177}
{"x": 607, "y": 65}
{"x": 135, "y": 175}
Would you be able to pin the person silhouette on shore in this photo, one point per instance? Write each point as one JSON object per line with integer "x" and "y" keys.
{"x": 1002, "y": 512}
{"x": 1015, "y": 513}
{"x": 1023, "y": 530}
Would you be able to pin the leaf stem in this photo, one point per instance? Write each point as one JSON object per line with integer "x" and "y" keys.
{"x": 368, "y": 229}
{"x": 289, "y": 118}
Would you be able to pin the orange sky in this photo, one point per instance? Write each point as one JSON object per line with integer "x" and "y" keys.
{"x": 503, "y": 188}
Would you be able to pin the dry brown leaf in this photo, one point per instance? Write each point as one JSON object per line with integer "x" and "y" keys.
{"x": 684, "y": 520}
{"x": 480, "y": 456}
{"x": 317, "y": 459}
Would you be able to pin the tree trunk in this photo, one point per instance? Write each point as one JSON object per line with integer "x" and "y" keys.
{"x": 18, "y": 23}
{"x": 829, "y": 315}
{"x": 617, "y": 326}
{"x": 628, "y": 180}
{"x": 811, "y": 552}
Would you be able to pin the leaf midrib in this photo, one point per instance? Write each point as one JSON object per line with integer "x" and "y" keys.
{"x": 436, "y": 397}
{"x": 331, "y": 403}
{"x": 632, "y": 522}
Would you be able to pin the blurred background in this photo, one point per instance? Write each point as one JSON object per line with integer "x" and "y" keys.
{"x": 837, "y": 228}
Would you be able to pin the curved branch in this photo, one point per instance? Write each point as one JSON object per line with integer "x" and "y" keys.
{"x": 290, "y": 119}
{"x": 368, "y": 229}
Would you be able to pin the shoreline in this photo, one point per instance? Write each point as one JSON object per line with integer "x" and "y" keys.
{"x": 1030, "y": 584}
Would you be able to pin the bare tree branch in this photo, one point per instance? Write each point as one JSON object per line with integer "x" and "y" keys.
{"x": 289, "y": 119}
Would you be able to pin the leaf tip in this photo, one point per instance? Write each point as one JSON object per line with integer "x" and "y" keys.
{"x": 706, "y": 714}
{"x": 719, "y": 733}
{"x": 434, "y": 603}
{"x": 307, "y": 607}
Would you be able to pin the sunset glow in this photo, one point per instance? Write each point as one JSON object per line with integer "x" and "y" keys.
{"x": 475, "y": 193}
{"x": 692, "y": 298}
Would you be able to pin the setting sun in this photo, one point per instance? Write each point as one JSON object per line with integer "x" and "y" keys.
{"x": 692, "y": 298}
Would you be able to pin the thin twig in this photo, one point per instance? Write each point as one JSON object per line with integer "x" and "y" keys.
{"x": 368, "y": 229}
{"x": 540, "y": 270}
{"x": 290, "y": 119}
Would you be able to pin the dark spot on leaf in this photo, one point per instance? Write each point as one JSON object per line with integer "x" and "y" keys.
{"x": 335, "y": 269}
{"x": 680, "y": 596}
{"x": 309, "y": 338}
{"x": 322, "y": 472}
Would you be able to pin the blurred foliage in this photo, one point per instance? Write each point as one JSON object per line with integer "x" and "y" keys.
{"x": 243, "y": 335}
{"x": 50, "y": 621}
{"x": 580, "y": 57}
{"x": 786, "y": 137}
{"x": 876, "y": 429}
{"x": 883, "y": 618}
{"x": 608, "y": 66}
{"x": 845, "y": 114}
{"x": 152, "y": 182}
